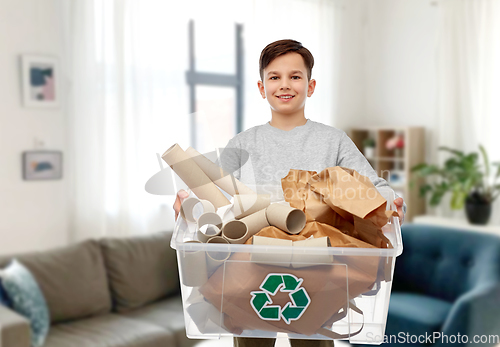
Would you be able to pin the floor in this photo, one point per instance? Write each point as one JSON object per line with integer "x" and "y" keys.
{"x": 228, "y": 342}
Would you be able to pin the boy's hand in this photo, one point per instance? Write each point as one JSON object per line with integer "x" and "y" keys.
{"x": 399, "y": 205}
{"x": 181, "y": 196}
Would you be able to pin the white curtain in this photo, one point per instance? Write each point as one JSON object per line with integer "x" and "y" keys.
{"x": 128, "y": 99}
{"x": 469, "y": 77}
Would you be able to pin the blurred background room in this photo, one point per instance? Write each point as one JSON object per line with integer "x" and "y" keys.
{"x": 92, "y": 90}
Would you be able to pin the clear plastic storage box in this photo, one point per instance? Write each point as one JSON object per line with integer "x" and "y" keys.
{"x": 300, "y": 292}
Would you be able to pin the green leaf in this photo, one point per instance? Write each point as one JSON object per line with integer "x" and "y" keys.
{"x": 485, "y": 160}
{"x": 453, "y": 151}
{"x": 425, "y": 189}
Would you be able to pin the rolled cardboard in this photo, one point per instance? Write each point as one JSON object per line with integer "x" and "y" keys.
{"x": 216, "y": 258}
{"x": 255, "y": 222}
{"x": 222, "y": 179}
{"x": 302, "y": 259}
{"x": 188, "y": 205}
{"x": 289, "y": 219}
{"x": 235, "y": 231}
{"x": 208, "y": 225}
{"x": 246, "y": 204}
{"x": 272, "y": 258}
{"x": 193, "y": 176}
{"x": 193, "y": 267}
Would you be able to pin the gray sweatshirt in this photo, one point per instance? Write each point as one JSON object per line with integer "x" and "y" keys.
{"x": 262, "y": 155}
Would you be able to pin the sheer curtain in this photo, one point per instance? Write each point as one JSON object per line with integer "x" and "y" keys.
{"x": 469, "y": 76}
{"x": 128, "y": 97}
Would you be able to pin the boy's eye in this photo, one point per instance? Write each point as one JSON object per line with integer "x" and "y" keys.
{"x": 296, "y": 77}
{"x": 274, "y": 78}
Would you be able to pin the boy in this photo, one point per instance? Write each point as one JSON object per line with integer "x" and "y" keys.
{"x": 289, "y": 140}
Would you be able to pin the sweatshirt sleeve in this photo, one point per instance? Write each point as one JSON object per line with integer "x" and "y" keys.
{"x": 350, "y": 157}
{"x": 230, "y": 158}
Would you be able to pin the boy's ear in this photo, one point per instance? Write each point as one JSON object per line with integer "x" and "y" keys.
{"x": 261, "y": 89}
{"x": 311, "y": 87}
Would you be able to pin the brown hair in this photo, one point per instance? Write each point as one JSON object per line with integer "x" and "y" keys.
{"x": 281, "y": 47}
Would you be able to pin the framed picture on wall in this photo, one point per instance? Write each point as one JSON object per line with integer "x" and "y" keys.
{"x": 42, "y": 165}
{"x": 40, "y": 81}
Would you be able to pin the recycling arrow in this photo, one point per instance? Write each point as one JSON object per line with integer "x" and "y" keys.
{"x": 261, "y": 301}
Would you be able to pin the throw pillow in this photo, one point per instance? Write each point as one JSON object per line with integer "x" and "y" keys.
{"x": 27, "y": 299}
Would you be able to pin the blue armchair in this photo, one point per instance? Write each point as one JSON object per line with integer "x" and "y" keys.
{"x": 446, "y": 282}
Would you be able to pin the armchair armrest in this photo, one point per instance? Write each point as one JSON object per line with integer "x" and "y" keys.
{"x": 476, "y": 312}
{"x": 14, "y": 329}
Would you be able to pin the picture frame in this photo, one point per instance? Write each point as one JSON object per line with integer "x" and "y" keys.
{"x": 42, "y": 165}
{"x": 40, "y": 81}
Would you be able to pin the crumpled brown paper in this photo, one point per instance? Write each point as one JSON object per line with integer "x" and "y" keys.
{"x": 341, "y": 198}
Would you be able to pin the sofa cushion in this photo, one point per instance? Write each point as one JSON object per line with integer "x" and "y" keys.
{"x": 72, "y": 279}
{"x": 416, "y": 314}
{"x": 167, "y": 314}
{"x": 140, "y": 269}
{"x": 27, "y": 299}
{"x": 108, "y": 330}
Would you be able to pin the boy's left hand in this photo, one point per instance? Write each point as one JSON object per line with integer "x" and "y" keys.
{"x": 399, "y": 205}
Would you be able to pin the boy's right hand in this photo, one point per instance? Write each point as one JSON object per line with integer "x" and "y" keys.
{"x": 181, "y": 196}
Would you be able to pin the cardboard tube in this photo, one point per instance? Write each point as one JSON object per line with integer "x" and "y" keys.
{"x": 289, "y": 219}
{"x": 222, "y": 179}
{"x": 193, "y": 265}
{"x": 216, "y": 258}
{"x": 255, "y": 222}
{"x": 235, "y": 231}
{"x": 272, "y": 258}
{"x": 213, "y": 224}
{"x": 193, "y": 176}
{"x": 308, "y": 258}
{"x": 246, "y": 204}
{"x": 188, "y": 205}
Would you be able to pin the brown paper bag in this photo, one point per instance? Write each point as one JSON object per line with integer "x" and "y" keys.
{"x": 341, "y": 198}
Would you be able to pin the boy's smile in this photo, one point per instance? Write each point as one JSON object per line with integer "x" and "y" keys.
{"x": 286, "y": 86}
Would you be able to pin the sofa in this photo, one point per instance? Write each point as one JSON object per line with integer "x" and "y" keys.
{"x": 446, "y": 282}
{"x": 112, "y": 292}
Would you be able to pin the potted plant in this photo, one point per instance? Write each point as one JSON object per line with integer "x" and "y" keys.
{"x": 471, "y": 184}
{"x": 369, "y": 147}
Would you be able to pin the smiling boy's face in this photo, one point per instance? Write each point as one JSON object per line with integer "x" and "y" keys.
{"x": 285, "y": 85}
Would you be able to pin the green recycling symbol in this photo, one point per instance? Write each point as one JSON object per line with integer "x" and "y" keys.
{"x": 262, "y": 304}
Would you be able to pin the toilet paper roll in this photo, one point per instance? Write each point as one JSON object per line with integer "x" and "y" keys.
{"x": 208, "y": 225}
{"x": 246, "y": 204}
{"x": 193, "y": 267}
{"x": 188, "y": 205}
{"x": 235, "y": 231}
{"x": 193, "y": 176}
{"x": 271, "y": 257}
{"x": 221, "y": 178}
{"x": 302, "y": 259}
{"x": 289, "y": 219}
{"x": 216, "y": 258}
{"x": 255, "y": 222}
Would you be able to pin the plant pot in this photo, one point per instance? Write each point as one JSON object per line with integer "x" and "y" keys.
{"x": 478, "y": 212}
{"x": 369, "y": 152}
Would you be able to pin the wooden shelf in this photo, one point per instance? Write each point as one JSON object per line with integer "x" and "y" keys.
{"x": 395, "y": 165}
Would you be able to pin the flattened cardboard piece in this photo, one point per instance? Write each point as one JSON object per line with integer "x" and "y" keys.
{"x": 328, "y": 286}
{"x": 246, "y": 204}
{"x": 255, "y": 222}
{"x": 235, "y": 231}
{"x": 214, "y": 223}
{"x": 194, "y": 267}
{"x": 206, "y": 317}
{"x": 289, "y": 219}
{"x": 346, "y": 191}
{"x": 271, "y": 258}
{"x": 216, "y": 258}
{"x": 188, "y": 205}
{"x": 221, "y": 178}
{"x": 193, "y": 176}
{"x": 302, "y": 259}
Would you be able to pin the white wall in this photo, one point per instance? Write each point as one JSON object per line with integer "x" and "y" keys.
{"x": 33, "y": 214}
{"x": 391, "y": 78}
